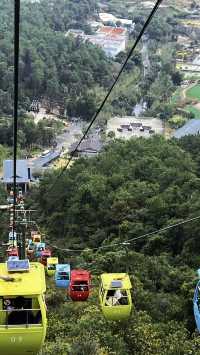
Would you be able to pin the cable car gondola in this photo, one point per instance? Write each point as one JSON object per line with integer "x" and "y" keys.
{"x": 51, "y": 266}
{"x": 62, "y": 275}
{"x": 44, "y": 256}
{"x": 12, "y": 251}
{"x": 115, "y": 296}
{"x": 80, "y": 285}
{"x": 36, "y": 237}
{"x": 30, "y": 249}
{"x": 13, "y": 258}
{"x": 196, "y": 305}
{"x": 39, "y": 247}
{"x": 22, "y": 307}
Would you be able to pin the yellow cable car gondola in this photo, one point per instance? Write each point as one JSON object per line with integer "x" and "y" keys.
{"x": 51, "y": 266}
{"x": 23, "y": 319}
{"x": 115, "y": 296}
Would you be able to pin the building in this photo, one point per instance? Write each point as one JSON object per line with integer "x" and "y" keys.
{"x": 89, "y": 147}
{"x": 107, "y": 18}
{"x": 188, "y": 67}
{"x": 150, "y": 5}
{"x": 130, "y": 126}
{"x": 192, "y": 127}
{"x": 111, "y": 39}
{"x": 23, "y": 174}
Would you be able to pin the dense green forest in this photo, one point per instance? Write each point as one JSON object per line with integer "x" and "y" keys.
{"x": 62, "y": 70}
{"x": 73, "y": 75}
{"x": 30, "y": 134}
{"x": 132, "y": 188}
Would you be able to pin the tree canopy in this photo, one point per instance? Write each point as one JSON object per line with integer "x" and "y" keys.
{"x": 130, "y": 189}
{"x": 53, "y": 66}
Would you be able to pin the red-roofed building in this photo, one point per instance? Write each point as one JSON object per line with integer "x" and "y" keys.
{"x": 111, "y": 39}
{"x": 113, "y": 31}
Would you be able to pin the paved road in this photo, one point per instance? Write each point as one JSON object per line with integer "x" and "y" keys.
{"x": 64, "y": 141}
{"x": 70, "y": 136}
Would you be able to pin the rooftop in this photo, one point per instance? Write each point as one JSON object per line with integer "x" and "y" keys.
{"x": 139, "y": 127}
{"x": 107, "y": 279}
{"x": 192, "y": 127}
{"x": 80, "y": 275}
{"x": 52, "y": 260}
{"x": 23, "y": 172}
{"x": 26, "y": 283}
{"x": 112, "y": 31}
{"x": 63, "y": 267}
{"x": 107, "y": 17}
{"x": 91, "y": 145}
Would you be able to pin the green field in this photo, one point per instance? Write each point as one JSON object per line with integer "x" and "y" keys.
{"x": 194, "y": 110}
{"x": 194, "y": 92}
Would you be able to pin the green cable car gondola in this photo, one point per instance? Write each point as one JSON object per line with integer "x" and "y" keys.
{"x": 115, "y": 296}
{"x": 23, "y": 319}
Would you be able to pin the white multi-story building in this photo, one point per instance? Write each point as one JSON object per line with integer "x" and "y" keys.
{"x": 107, "y": 18}
{"x": 111, "y": 39}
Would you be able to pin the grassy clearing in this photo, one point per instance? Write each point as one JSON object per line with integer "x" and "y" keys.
{"x": 194, "y": 110}
{"x": 194, "y": 92}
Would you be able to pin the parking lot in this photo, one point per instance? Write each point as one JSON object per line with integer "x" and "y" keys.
{"x": 127, "y": 127}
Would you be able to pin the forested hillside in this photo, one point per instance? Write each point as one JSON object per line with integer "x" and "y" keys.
{"x": 132, "y": 188}
{"x": 60, "y": 69}
{"x": 108, "y": 213}
{"x": 73, "y": 75}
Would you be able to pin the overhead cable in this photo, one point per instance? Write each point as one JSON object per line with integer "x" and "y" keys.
{"x": 16, "y": 99}
{"x": 129, "y": 241}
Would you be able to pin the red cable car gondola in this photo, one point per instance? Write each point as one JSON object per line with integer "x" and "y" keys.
{"x": 12, "y": 251}
{"x": 45, "y": 254}
{"x": 80, "y": 284}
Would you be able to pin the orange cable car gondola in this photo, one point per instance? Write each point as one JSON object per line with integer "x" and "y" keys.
{"x": 36, "y": 237}
{"x": 80, "y": 285}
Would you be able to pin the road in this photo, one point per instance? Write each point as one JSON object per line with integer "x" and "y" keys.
{"x": 43, "y": 115}
{"x": 184, "y": 92}
{"x": 64, "y": 141}
{"x": 73, "y": 131}
{"x": 40, "y": 115}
